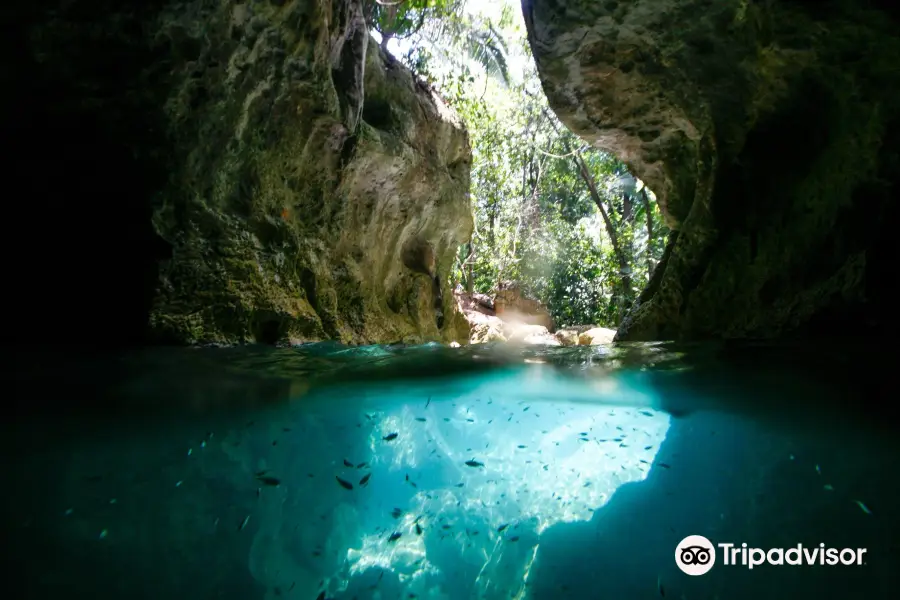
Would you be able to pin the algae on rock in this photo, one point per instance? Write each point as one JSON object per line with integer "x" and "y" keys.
{"x": 307, "y": 158}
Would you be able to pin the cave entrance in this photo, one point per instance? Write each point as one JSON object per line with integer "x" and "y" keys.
{"x": 564, "y": 234}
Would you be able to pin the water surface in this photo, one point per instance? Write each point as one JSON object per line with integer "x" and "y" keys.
{"x": 427, "y": 472}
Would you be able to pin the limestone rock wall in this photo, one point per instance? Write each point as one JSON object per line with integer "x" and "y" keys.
{"x": 266, "y": 162}
{"x": 770, "y": 133}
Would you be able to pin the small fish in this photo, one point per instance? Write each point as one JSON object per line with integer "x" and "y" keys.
{"x": 395, "y": 536}
{"x": 646, "y": 413}
{"x": 397, "y": 513}
{"x": 470, "y": 420}
{"x": 244, "y": 523}
{"x": 514, "y": 538}
{"x": 828, "y": 487}
{"x": 663, "y": 465}
{"x": 460, "y": 484}
{"x": 365, "y": 479}
{"x": 269, "y": 480}
{"x": 428, "y": 402}
{"x": 818, "y": 469}
{"x": 502, "y": 527}
{"x": 521, "y": 446}
{"x": 347, "y": 463}
{"x": 863, "y": 507}
{"x": 390, "y": 436}
{"x": 418, "y": 529}
{"x": 344, "y": 483}
{"x": 474, "y": 463}
{"x": 421, "y": 419}
{"x": 647, "y": 447}
{"x": 362, "y": 464}
{"x": 526, "y": 409}
{"x": 104, "y": 533}
{"x": 660, "y": 587}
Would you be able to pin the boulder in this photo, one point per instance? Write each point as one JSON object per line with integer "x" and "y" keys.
{"x": 567, "y": 337}
{"x": 524, "y": 333}
{"x": 596, "y": 336}
{"x": 511, "y": 304}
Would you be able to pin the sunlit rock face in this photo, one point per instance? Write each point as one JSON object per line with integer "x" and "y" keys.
{"x": 770, "y": 133}
{"x": 257, "y": 168}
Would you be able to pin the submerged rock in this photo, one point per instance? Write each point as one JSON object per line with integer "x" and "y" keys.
{"x": 770, "y": 133}
{"x": 287, "y": 163}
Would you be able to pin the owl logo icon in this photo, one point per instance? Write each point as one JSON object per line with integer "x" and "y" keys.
{"x": 695, "y": 555}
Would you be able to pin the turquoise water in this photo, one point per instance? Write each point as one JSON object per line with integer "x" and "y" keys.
{"x": 434, "y": 473}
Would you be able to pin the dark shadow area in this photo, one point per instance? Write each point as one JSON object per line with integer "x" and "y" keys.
{"x": 82, "y": 129}
{"x": 732, "y": 481}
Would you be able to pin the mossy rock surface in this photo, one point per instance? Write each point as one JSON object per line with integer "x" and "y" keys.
{"x": 286, "y": 212}
{"x": 259, "y": 168}
{"x": 770, "y": 132}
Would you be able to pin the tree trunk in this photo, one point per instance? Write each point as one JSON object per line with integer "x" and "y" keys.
{"x": 627, "y": 208}
{"x": 470, "y": 269}
{"x": 646, "y": 202}
{"x": 621, "y": 257}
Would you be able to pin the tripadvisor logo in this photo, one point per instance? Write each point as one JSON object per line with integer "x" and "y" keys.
{"x": 696, "y": 555}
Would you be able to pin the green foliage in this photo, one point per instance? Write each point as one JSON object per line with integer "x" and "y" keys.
{"x": 537, "y": 221}
{"x": 404, "y": 18}
{"x": 449, "y": 39}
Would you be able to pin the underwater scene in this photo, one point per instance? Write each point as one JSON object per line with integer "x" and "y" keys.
{"x": 484, "y": 472}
